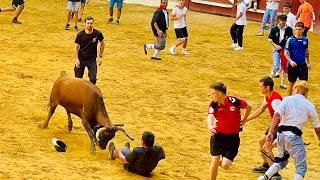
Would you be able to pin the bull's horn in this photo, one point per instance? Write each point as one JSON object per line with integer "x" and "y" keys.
{"x": 125, "y": 132}
{"x": 119, "y": 125}
{"x": 99, "y": 132}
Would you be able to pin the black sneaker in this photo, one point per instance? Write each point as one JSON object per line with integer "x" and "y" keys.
{"x": 261, "y": 169}
{"x": 276, "y": 177}
{"x": 283, "y": 86}
{"x": 79, "y": 20}
{"x": 76, "y": 28}
{"x": 145, "y": 49}
{"x": 15, "y": 21}
{"x": 112, "y": 150}
{"x": 110, "y": 20}
{"x": 277, "y": 76}
{"x": 156, "y": 58}
{"x": 117, "y": 22}
{"x": 127, "y": 145}
{"x": 67, "y": 27}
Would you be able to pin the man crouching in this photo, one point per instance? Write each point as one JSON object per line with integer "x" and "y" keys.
{"x": 142, "y": 160}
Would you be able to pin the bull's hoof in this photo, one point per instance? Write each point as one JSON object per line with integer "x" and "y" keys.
{"x": 42, "y": 126}
{"x": 69, "y": 129}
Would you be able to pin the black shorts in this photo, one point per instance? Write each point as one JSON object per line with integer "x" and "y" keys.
{"x": 274, "y": 133}
{"x": 16, "y": 3}
{"x": 225, "y": 145}
{"x": 181, "y": 33}
{"x": 300, "y": 71}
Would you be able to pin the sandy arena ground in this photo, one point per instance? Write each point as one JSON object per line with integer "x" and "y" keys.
{"x": 169, "y": 97}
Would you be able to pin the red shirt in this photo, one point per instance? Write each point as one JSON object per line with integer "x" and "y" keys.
{"x": 228, "y": 115}
{"x": 274, "y": 96}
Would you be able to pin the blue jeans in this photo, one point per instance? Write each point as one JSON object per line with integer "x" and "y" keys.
{"x": 119, "y": 3}
{"x": 295, "y": 147}
{"x": 269, "y": 15}
{"x": 276, "y": 60}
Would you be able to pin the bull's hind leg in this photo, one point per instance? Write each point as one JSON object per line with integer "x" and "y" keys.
{"x": 52, "y": 108}
{"x": 70, "y": 123}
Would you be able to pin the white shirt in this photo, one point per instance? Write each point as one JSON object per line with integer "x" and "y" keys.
{"x": 166, "y": 17}
{"x": 241, "y": 8}
{"x": 274, "y": 5}
{"x": 180, "y": 12}
{"x": 282, "y": 32}
{"x": 296, "y": 110}
{"x": 291, "y": 20}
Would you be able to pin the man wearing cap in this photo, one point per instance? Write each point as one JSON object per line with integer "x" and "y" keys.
{"x": 278, "y": 37}
{"x": 293, "y": 114}
{"x": 142, "y": 160}
{"x": 291, "y": 18}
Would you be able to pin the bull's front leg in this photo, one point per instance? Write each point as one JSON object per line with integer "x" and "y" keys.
{"x": 89, "y": 130}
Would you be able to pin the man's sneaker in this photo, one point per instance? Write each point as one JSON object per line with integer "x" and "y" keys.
{"x": 79, "y": 20}
{"x": 110, "y": 20}
{"x": 185, "y": 52}
{"x": 235, "y": 45}
{"x": 264, "y": 177}
{"x": 156, "y": 58}
{"x": 260, "y": 169}
{"x": 238, "y": 49}
{"x": 76, "y": 28}
{"x": 112, "y": 150}
{"x": 15, "y": 21}
{"x": 127, "y": 145}
{"x": 277, "y": 75}
{"x": 145, "y": 49}
{"x": 172, "y": 50}
{"x": 67, "y": 27}
{"x": 117, "y": 22}
{"x": 261, "y": 33}
{"x": 276, "y": 177}
{"x": 283, "y": 86}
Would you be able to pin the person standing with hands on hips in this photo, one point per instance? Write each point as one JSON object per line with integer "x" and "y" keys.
{"x": 237, "y": 27}
{"x": 86, "y": 50}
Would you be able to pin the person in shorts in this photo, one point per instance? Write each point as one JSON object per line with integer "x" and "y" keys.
{"x": 18, "y": 6}
{"x": 73, "y": 6}
{"x": 236, "y": 30}
{"x": 224, "y": 124}
{"x": 119, "y": 7}
{"x": 297, "y": 54}
{"x": 142, "y": 160}
{"x": 178, "y": 15}
{"x": 271, "y": 101}
{"x": 86, "y": 44}
{"x": 83, "y": 4}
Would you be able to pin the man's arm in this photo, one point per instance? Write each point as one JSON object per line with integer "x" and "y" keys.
{"x": 276, "y": 46}
{"x": 247, "y": 113}
{"x": 307, "y": 56}
{"x": 122, "y": 157}
{"x": 257, "y": 113}
{"x": 240, "y": 15}
{"x": 76, "y": 55}
{"x": 298, "y": 13}
{"x": 287, "y": 55}
{"x": 102, "y": 46}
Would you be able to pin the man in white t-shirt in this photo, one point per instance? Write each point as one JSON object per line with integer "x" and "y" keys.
{"x": 269, "y": 15}
{"x": 178, "y": 15}
{"x": 291, "y": 18}
{"x": 237, "y": 27}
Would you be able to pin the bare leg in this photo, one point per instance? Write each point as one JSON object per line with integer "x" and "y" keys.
{"x": 215, "y": 161}
{"x": 70, "y": 123}
{"x": 19, "y": 11}
{"x": 8, "y": 9}
{"x": 179, "y": 42}
{"x": 118, "y": 14}
{"x": 68, "y": 16}
{"x": 81, "y": 10}
{"x": 226, "y": 163}
{"x": 76, "y": 18}
{"x": 262, "y": 141}
{"x": 185, "y": 43}
{"x": 111, "y": 12}
{"x": 52, "y": 108}
{"x": 91, "y": 135}
{"x": 290, "y": 86}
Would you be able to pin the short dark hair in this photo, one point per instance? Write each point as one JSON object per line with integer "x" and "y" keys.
{"x": 299, "y": 24}
{"x": 88, "y": 18}
{"x": 283, "y": 17}
{"x": 219, "y": 87}
{"x": 287, "y": 5}
{"x": 267, "y": 81}
{"x": 148, "y": 138}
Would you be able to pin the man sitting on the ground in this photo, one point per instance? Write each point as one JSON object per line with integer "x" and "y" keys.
{"x": 142, "y": 160}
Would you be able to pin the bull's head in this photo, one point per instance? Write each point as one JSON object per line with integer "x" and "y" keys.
{"x": 105, "y": 134}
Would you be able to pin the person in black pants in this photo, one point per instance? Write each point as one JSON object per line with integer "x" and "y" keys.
{"x": 86, "y": 50}
{"x": 237, "y": 27}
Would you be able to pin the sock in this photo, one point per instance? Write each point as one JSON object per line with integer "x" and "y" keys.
{"x": 150, "y": 46}
{"x": 298, "y": 177}
{"x": 156, "y": 53}
{"x": 272, "y": 170}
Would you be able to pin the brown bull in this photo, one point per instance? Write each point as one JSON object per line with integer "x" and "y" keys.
{"x": 85, "y": 100}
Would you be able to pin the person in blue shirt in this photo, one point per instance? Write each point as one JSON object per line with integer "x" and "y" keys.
{"x": 297, "y": 53}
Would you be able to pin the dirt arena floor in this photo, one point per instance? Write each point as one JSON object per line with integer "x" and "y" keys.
{"x": 168, "y": 97}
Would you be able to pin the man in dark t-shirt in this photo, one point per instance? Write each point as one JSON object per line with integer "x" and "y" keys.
{"x": 142, "y": 160}
{"x": 86, "y": 50}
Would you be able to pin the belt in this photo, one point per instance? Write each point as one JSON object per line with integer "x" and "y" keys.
{"x": 292, "y": 129}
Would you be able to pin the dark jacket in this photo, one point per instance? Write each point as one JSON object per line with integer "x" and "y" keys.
{"x": 160, "y": 18}
{"x": 275, "y": 35}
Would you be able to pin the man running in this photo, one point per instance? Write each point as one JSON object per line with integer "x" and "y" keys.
{"x": 159, "y": 24}
{"x": 271, "y": 101}
{"x": 18, "y": 6}
{"x": 293, "y": 114}
{"x": 291, "y": 18}
{"x": 278, "y": 37}
{"x": 306, "y": 16}
{"x": 297, "y": 53}
{"x": 179, "y": 15}
{"x": 269, "y": 15}
{"x": 142, "y": 160}
{"x": 86, "y": 50}
{"x": 73, "y": 6}
{"x": 224, "y": 124}
{"x": 119, "y": 7}
{"x": 237, "y": 27}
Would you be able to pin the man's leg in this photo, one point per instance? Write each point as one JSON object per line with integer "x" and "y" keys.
{"x": 18, "y": 12}
{"x": 240, "y": 35}
{"x": 92, "y": 72}
{"x": 225, "y": 163}
{"x": 78, "y": 72}
{"x": 111, "y": 5}
{"x": 276, "y": 63}
{"x": 160, "y": 46}
{"x": 292, "y": 78}
{"x": 273, "y": 16}
{"x": 8, "y": 9}
{"x": 83, "y": 4}
{"x": 233, "y": 33}
{"x": 265, "y": 19}
{"x": 215, "y": 162}
{"x": 298, "y": 152}
{"x": 119, "y": 6}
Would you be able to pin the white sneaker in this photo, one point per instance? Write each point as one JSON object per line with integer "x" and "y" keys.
{"x": 185, "y": 52}
{"x": 234, "y": 45}
{"x": 238, "y": 48}
{"x": 172, "y": 50}
{"x": 262, "y": 178}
